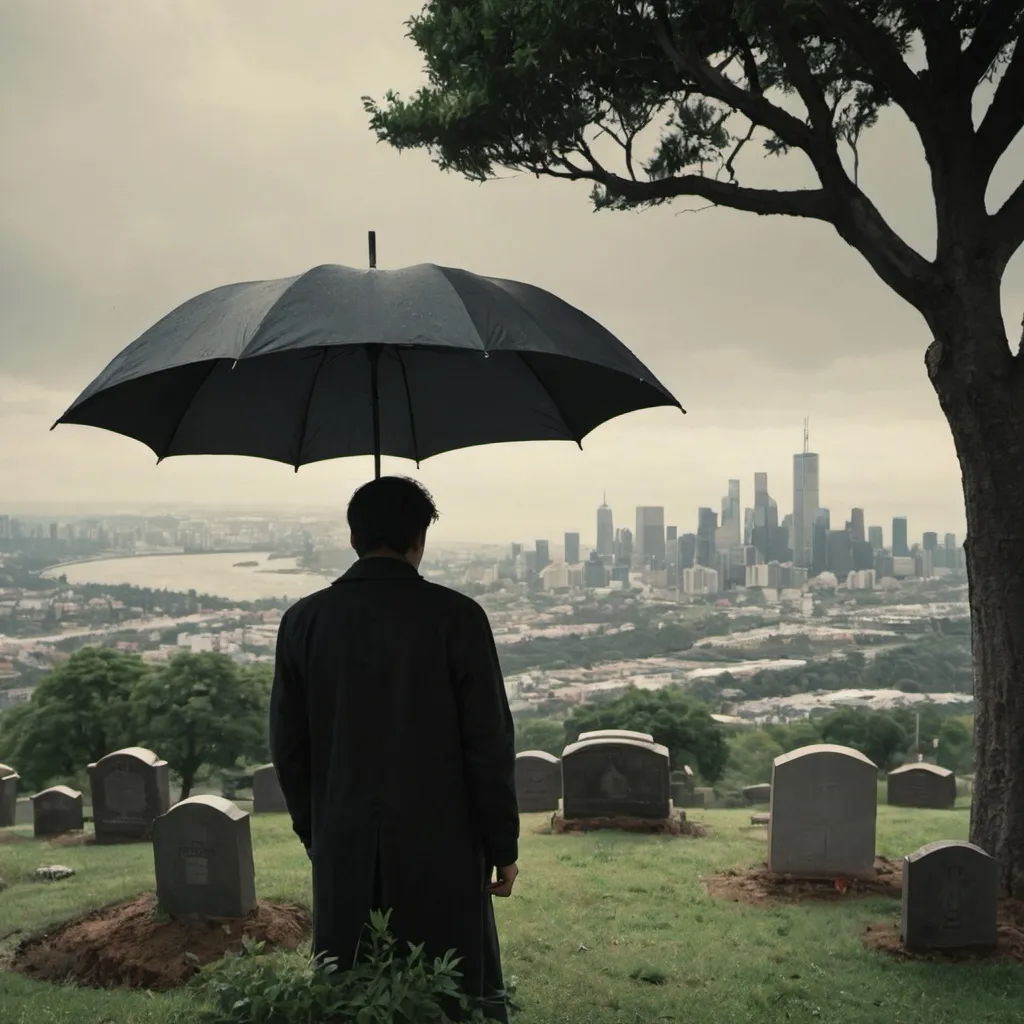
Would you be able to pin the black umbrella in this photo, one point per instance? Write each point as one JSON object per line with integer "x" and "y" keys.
{"x": 337, "y": 362}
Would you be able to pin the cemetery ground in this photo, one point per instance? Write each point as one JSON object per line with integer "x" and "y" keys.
{"x": 604, "y": 927}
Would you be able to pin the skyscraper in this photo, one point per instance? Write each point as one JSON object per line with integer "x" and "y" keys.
{"x": 649, "y": 541}
{"x": 857, "y": 526}
{"x": 899, "y": 537}
{"x": 707, "y": 525}
{"x": 730, "y": 532}
{"x": 687, "y": 550}
{"x": 605, "y": 530}
{"x": 819, "y": 554}
{"x": 672, "y": 545}
{"x": 572, "y": 548}
{"x": 543, "y": 556}
{"x": 930, "y": 541}
{"x": 805, "y": 503}
{"x": 875, "y": 537}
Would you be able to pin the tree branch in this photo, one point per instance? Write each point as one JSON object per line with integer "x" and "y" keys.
{"x": 991, "y": 37}
{"x": 1008, "y": 226}
{"x": 712, "y": 83}
{"x": 877, "y": 52}
{"x": 1004, "y": 118}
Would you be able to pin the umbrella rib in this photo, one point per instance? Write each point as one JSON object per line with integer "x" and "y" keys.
{"x": 188, "y": 405}
{"x": 547, "y": 391}
{"x": 309, "y": 402}
{"x": 408, "y": 402}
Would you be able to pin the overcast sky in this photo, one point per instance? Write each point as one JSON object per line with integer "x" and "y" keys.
{"x": 153, "y": 150}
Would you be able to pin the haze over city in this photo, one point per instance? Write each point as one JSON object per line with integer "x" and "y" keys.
{"x": 157, "y": 151}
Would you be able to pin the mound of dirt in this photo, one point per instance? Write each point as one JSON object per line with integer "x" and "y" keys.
{"x": 673, "y": 826}
{"x": 760, "y": 887}
{"x": 130, "y": 945}
{"x": 885, "y": 937}
{"x": 71, "y": 839}
{"x": 11, "y": 837}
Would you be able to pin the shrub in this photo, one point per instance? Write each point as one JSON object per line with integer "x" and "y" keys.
{"x": 382, "y": 988}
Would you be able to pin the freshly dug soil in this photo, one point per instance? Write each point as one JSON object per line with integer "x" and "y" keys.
{"x": 72, "y": 839}
{"x": 885, "y": 937}
{"x": 651, "y": 826}
{"x": 760, "y": 887}
{"x": 128, "y": 946}
{"x": 11, "y": 837}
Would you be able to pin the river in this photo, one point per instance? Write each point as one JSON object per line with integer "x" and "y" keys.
{"x": 218, "y": 575}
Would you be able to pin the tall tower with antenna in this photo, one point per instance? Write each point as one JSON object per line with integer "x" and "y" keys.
{"x": 806, "y": 500}
{"x": 605, "y": 529}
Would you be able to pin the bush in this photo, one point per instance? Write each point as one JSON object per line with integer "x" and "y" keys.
{"x": 383, "y": 987}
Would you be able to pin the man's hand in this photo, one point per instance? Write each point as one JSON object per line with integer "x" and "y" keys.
{"x": 506, "y": 878}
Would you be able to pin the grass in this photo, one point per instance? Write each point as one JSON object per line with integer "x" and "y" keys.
{"x": 657, "y": 947}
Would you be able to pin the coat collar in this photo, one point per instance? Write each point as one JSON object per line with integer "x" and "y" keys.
{"x": 379, "y": 569}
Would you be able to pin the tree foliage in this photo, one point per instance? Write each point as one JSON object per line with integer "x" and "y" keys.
{"x": 685, "y": 727}
{"x": 569, "y": 89}
{"x": 201, "y": 710}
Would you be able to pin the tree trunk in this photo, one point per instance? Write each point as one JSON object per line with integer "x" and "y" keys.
{"x": 980, "y": 387}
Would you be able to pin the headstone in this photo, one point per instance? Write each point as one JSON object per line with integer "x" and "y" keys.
{"x": 616, "y": 778}
{"x": 57, "y": 810}
{"x": 682, "y": 786}
{"x": 23, "y": 811}
{"x": 759, "y": 819}
{"x": 202, "y": 850}
{"x": 950, "y": 898}
{"x": 538, "y": 781}
{"x": 921, "y": 785}
{"x": 267, "y": 797}
{"x": 704, "y": 796}
{"x": 9, "y": 780}
{"x": 615, "y": 734}
{"x": 822, "y": 814}
{"x": 130, "y": 788}
{"x": 759, "y": 794}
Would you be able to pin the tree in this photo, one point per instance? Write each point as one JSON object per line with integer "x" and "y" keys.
{"x": 874, "y": 733}
{"x": 685, "y": 727}
{"x": 540, "y": 734}
{"x": 202, "y": 710}
{"x": 81, "y": 711}
{"x": 550, "y": 86}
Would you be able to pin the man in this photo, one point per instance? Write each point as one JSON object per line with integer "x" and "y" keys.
{"x": 394, "y": 744}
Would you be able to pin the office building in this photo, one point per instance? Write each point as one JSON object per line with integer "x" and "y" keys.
{"x": 623, "y": 546}
{"x": 595, "y": 574}
{"x": 649, "y": 540}
{"x": 730, "y": 530}
{"x": 572, "y": 549}
{"x": 698, "y": 580}
{"x": 805, "y": 503}
{"x": 899, "y": 537}
{"x": 672, "y": 546}
{"x": 875, "y": 538}
{"x": 687, "y": 550}
{"x": 930, "y": 541}
{"x": 839, "y": 557}
{"x": 542, "y": 558}
{"x": 605, "y": 530}
{"x": 707, "y": 526}
{"x": 857, "y": 535}
{"x": 819, "y": 554}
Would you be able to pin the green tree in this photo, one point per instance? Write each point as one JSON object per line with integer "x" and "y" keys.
{"x": 568, "y": 88}
{"x": 752, "y": 753}
{"x": 540, "y": 734}
{"x": 201, "y": 710}
{"x": 686, "y": 728}
{"x": 875, "y": 734}
{"x": 81, "y": 711}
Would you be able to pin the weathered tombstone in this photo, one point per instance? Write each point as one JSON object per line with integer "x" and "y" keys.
{"x": 682, "y": 786}
{"x": 616, "y": 778}
{"x": 615, "y": 734}
{"x": 202, "y": 851}
{"x": 759, "y": 819}
{"x": 130, "y": 788}
{"x": 921, "y": 785}
{"x": 57, "y": 810}
{"x": 704, "y": 796}
{"x": 759, "y": 794}
{"x": 9, "y": 780}
{"x": 267, "y": 797}
{"x": 538, "y": 781}
{"x": 822, "y": 814}
{"x": 23, "y": 811}
{"x": 950, "y": 898}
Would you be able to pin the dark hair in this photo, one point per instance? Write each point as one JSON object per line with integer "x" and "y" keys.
{"x": 391, "y": 512}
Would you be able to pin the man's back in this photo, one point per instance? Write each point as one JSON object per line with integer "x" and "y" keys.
{"x": 394, "y": 744}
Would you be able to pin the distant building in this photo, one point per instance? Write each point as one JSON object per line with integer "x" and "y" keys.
{"x": 861, "y": 579}
{"x": 899, "y": 537}
{"x": 839, "y": 559}
{"x": 875, "y": 538}
{"x": 687, "y": 550}
{"x": 605, "y": 530}
{"x": 542, "y": 558}
{"x": 707, "y": 528}
{"x": 930, "y": 541}
{"x": 857, "y": 535}
{"x": 822, "y": 524}
{"x": 699, "y": 580}
{"x": 572, "y": 548}
{"x": 649, "y": 541}
{"x": 805, "y": 506}
{"x": 595, "y": 574}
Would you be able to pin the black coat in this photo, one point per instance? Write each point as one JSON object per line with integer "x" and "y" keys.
{"x": 394, "y": 744}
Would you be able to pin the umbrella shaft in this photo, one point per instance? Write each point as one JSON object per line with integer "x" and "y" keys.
{"x": 374, "y": 354}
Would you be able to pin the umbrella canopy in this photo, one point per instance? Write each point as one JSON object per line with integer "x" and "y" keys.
{"x": 338, "y": 362}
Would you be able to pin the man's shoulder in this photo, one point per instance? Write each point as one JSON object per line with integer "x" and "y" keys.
{"x": 454, "y": 601}
{"x": 308, "y": 603}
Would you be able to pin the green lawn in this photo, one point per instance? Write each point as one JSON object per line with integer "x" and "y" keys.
{"x": 635, "y": 902}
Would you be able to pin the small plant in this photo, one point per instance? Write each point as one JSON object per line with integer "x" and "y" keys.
{"x": 254, "y": 987}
